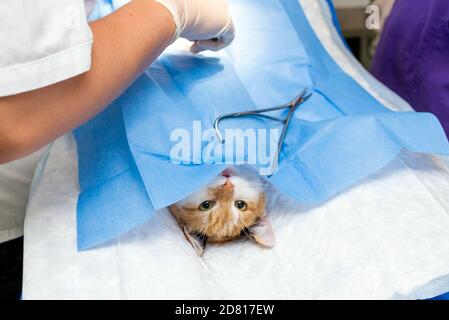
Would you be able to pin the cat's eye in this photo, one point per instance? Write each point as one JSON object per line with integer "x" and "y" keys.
{"x": 206, "y": 205}
{"x": 241, "y": 205}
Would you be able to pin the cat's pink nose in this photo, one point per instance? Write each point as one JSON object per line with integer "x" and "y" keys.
{"x": 227, "y": 173}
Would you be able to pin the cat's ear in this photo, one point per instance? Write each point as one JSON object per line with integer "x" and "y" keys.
{"x": 262, "y": 233}
{"x": 197, "y": 241}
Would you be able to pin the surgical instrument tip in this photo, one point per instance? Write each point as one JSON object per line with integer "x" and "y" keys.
{"x": 292, "y": 106}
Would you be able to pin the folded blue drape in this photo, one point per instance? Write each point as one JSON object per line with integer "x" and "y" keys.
{"x": 338, "y": 137}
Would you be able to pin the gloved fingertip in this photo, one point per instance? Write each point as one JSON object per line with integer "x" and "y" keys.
{"x": 213, "y": 45}
{"x": 195, "y": 48}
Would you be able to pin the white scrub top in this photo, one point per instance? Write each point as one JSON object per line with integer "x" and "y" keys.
{"x": 42, "y": 42}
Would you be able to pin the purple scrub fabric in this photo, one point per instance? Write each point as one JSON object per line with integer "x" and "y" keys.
{"x": 413, "y": 55}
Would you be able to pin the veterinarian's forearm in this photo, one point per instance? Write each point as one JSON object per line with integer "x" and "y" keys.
{"x": 125, "y": 43}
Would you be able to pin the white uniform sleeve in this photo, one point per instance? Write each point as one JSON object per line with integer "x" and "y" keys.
{"x": 42, "y": 42}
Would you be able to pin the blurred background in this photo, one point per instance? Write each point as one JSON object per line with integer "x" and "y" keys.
{"x": 352, "y": 15}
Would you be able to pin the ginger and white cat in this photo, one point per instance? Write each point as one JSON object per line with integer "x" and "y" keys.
{"x": 232, "y": 206}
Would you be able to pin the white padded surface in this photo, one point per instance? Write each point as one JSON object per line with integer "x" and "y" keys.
{"x": 386, "y": 238}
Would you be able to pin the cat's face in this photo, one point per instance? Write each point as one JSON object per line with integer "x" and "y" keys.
{"x": 230, "y": 207}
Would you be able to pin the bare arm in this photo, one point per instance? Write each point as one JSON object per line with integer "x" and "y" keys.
{"x": 125, "y": 43}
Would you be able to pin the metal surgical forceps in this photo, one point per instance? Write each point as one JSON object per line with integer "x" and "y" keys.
{"x": 292, "y": 106}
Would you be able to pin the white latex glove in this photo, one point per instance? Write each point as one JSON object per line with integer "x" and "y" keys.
{"x": 206, "y": 22}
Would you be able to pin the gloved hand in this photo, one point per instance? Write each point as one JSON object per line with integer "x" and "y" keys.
{"x": 206, "y": 22}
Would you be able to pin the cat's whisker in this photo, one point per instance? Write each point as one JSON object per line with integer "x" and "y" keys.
{"x": 246, "y": 233}
{"x": 203, "y": 225}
